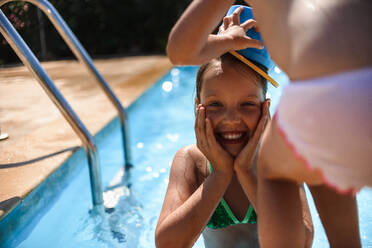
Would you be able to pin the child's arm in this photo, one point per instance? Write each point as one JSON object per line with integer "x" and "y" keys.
{"x": 284, "y": 218}
{"x": 280, "y": 219}
{"x": 248, "y": 179}
{"x": 191, "y": 42}
{"x": 246, "y": 159}
{"x": 281, "y": 206}
{"x": 187, "y": 207}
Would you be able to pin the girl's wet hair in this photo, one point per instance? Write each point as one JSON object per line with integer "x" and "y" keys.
{"x": 204, "y": 67}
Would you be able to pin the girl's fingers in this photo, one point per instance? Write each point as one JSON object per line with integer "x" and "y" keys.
{"x": 248, "y": 24}
{"x": 213, "y": 145}
{"x": 262, "y": 123}
{"x": 200, "y": 129}
{"x": 209, "y": 133}
{"x": 268, "y": 100}
{"x": 221, "y": 29}
{"x": 250, "y": 149}
{"x": 256, "y": 28}
{"x": 202, "y": 124}
{"x": 236, "y": 16}
{"x": 252, "y": 43}
{"x": 226, "y": 22}
{"x": 197, "y": 124}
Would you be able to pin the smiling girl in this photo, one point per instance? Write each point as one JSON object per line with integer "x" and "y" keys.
{"x": 212, "y": 186}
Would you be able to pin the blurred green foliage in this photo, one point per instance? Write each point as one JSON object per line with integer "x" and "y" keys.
{"x": 104, "y": 27}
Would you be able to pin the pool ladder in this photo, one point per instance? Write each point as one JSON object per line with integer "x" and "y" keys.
{"x": 33, "y": 64}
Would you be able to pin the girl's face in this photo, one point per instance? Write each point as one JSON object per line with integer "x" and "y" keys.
{"x": 232, "y": 96}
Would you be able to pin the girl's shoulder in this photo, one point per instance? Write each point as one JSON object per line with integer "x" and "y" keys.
{"x": 191, "y": 158}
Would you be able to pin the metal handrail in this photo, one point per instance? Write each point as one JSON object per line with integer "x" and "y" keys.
{"x": 81, "y": 54}
{"x": 30, "y": 60}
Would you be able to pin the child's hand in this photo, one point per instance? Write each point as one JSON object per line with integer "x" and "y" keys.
{"x": 245, "y": 158}
{"x": 221, "y": 160}
{"x": 235, "y": 31}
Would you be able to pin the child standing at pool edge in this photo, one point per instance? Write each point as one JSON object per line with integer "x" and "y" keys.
{"x": 212, "y": 186}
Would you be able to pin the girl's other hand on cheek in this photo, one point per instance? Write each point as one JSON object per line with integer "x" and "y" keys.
{"x": 245, "y": 158}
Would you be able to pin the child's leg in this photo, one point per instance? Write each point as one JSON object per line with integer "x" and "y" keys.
{"x": 278, "y": 161}
{"x": 280, "y": 220}
{"x": 339, "y": 215}
{"x": 338, "y": 212}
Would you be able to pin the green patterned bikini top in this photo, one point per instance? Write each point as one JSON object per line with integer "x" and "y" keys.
{"x": 224, "y": 217}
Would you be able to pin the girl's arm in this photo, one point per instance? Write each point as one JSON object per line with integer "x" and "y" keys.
{"x": 280, "y": 217}
{"x": 191, "y": 42}
{"x": 190, "y": 34}
{"x": 248, "y": 180}
{"x": 245, "y": 162}
{"x": 187, "y": 207}
{"x": 284, "y": 216}
{"x": 294, "y": 197}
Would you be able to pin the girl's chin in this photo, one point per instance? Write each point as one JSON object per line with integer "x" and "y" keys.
{"x": 234, "y": 150}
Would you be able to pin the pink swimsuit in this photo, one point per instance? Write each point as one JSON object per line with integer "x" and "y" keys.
{"x": 327, "y": 123}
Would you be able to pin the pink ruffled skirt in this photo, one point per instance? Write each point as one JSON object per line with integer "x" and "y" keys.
{"x": 327, "y": 124}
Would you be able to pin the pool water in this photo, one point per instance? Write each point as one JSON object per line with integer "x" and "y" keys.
{"x": 161, "y": 122}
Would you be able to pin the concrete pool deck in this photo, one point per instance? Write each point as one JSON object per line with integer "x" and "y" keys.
{"x": 35, "y": 126}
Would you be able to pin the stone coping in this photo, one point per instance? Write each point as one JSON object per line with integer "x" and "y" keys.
{"x": 35, "y": 126}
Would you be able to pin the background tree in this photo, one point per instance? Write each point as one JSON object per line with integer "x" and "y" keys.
{"x": 104, "y": 27}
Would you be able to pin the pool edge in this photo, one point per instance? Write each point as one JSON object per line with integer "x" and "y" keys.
{"x": 31, "y": 207}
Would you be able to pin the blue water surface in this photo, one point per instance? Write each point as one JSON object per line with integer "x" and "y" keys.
{"x": 160, "y": 122}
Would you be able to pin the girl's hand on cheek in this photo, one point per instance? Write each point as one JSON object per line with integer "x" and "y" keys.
{"x": 222, "y": 162}
{"x": 245, "y": 158}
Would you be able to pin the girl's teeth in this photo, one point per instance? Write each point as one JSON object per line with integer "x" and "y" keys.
{"x": 232, "y": 136}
